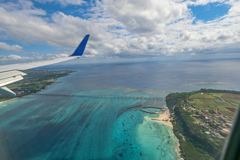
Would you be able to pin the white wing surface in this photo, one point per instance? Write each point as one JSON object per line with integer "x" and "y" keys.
{"x": 11, "y": 73}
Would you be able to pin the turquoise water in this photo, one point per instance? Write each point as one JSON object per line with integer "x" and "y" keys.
{"x": 47, "y": 127}
{"x": 42, "y": 127}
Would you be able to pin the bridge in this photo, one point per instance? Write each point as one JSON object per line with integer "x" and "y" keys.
{"x": 101, "y": 96}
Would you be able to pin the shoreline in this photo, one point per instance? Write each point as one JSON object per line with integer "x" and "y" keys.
{"x": 8, "y": 100}
{"x": 164, "y": 118}
{"x": 37, "y": 91}
{"x": 25, "y": 95}
{"x": 29, "y": 94}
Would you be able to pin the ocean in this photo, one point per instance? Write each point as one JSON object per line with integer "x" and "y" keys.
{"x": 39, "y": 127}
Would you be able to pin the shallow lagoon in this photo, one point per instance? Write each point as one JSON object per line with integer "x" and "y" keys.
{"x": 42, "y": 127}
{"x": 45, "y": 127}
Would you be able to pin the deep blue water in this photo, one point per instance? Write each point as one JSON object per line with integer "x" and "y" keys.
{"x": 44, "y": 127}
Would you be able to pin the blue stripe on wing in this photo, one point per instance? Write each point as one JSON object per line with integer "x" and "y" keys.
{"x": 80, "y": 49}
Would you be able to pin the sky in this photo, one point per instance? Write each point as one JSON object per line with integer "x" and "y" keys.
{"x": 120, "y": 29}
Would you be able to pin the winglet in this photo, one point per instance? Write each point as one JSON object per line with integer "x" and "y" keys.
{"x": 80, "y": 49}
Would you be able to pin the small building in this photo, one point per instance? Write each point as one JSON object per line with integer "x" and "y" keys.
{"x": 206, "y": 124}
{"x": 229, "y": 125}
{"x": 222, "y": 118}
{"x": 216, "y": 134}
{"x": 194, "y": 115}
{"x": 225, "y": 131}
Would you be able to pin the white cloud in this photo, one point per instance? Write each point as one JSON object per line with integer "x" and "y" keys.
{"x": 4, "y": 60}
{"x": 14, "y": 57}
{"x": 61, "y": 30}
{"x": 63, "y": 2}
{"x": 125, "y": 28}
{"x": 204, "y": 2}
{"x": 234, "y": 10}
{"x": 158, "y": 27}
{"x": 7, "y": 47}
{"x": 146, "y": 16}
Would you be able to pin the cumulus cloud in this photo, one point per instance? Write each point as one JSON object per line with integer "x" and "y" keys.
{"x": 63, "y": 2}
{"x": 204, "y": 2}
{"x": 7, "y": 47}
{"x": 5, "y": 60}
{"x": 146, "y": 16}
{"x": 14, "y": 57}
{"x": 125, "y": 28}
{"x": 60, "y": 30}
{"x": 154, "y": 28}
{"x": 34, "y": 56}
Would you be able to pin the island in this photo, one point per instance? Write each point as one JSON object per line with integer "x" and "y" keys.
{"x": 202, "y": 120}
{"x": 33, "y": 82}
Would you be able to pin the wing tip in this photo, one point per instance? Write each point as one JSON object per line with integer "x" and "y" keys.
{"x": 81, "y": 47}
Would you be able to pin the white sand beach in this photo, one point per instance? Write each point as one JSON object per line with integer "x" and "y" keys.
{"x": 164, "y": 118}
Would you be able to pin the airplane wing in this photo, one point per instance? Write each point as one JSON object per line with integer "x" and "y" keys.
{"x": 10, "y": 73}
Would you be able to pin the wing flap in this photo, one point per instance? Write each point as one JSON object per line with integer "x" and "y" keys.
{"x": 8, "y": 74}
{"x": 10, "y": 77}
{"x": 6, "y": 91}
{"x": 10, "y": 80}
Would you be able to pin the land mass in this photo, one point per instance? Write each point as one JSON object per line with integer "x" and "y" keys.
{"x": 33, "y": 82}
{"x": 201, "y": 121}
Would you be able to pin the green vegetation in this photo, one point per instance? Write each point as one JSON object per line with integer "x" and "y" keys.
{"x": 233, "y": 99}
{"x": 187, "y": 110}
{"x": 34, "y": 81}
{"x": 221, "y": 101}
{"x": 217, "y": 94}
